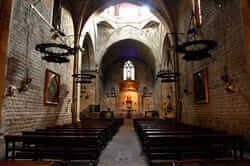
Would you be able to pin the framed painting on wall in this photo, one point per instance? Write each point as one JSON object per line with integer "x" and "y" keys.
{"x": 52, "y": 87}
{"x": 200, "y": 86}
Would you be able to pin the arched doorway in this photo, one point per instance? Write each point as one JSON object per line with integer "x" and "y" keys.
{"x": 127, "y": 67}
{"x": 81, "y": 13}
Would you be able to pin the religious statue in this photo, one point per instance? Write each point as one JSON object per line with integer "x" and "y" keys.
{"x": 129, "y": 102}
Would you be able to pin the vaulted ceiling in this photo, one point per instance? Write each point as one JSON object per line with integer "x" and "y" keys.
{"x": 128, "y": 50}
{"x": 81, "y": 10}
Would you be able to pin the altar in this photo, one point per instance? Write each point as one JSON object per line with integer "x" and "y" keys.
{"x": 129, "y": 98}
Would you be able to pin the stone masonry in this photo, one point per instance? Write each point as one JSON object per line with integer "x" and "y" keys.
{"x": 26, "y": 110}
{"x": 225, "y": 110}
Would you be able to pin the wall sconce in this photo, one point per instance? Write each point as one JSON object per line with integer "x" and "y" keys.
{"x": 25, "y": 84}
{"x": 232, "y": 88}
{"x": 10, "y": 91}
{"x": 230, "y": 85}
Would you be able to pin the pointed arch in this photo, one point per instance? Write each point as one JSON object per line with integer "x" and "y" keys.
{"x": 128, "y": 70}
{"x": 151, "y": 24}
{"x": 88, "y": 56}
{"x": 167, "y": 58}
{"x": 105, "y": 24}
{"x": 122, "y": 34}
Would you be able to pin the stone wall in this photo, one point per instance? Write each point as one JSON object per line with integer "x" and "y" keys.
{"x": 87, "y": 95}
{"x": 167, "y": 103}
{"x": 226, "y": 111}
{"x": 26, "y": 109}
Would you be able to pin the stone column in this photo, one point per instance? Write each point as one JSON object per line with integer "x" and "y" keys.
{"x": 97, "y": 90}
{"x": 5, "y": 16}
{"x": 76, "y": 89}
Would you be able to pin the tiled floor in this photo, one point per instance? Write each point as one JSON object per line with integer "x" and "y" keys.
{"x": 124, "y": 149}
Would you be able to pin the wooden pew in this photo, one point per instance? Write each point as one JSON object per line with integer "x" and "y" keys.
{"x": 53, "y": 147}
{"x": 109, "y": 127}
{"x": 99, "y": 134}
{"x": 112, "y": 125}
{"x": 105, "y": 131}
{"x": 163, "y": 140}
{"x": 24, "y": 163}
{"x": 180, "y": 145}
{"x": 66, "y": 142}
{"x": 146, "y": 134}
{"x": 205, "y": 163}
{"x": 213, "y": 163}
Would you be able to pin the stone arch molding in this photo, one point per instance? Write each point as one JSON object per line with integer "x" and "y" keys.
{"x": 129, "y": 32}
{"x": 91, "y": 60}
{"x": 106, "y": 23}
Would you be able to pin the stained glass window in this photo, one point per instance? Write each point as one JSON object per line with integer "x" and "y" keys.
{"x": 128, "y": 71}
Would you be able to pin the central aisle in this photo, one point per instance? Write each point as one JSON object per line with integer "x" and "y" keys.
{"x": 124, "y": 149}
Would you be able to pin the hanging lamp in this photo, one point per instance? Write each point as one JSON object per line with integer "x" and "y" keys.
{"x": 55, "y": 52}
{"x": 167, "y": 76}
{"x": 195, "y": 50}
{"x": 86, "y": 76}
{"x": 167, "y": 73}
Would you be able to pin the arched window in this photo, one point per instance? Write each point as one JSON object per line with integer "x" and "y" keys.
{"x": 197, "y": 12}
{"x": 128, "y": 10}
{"x": 128, "y": 71}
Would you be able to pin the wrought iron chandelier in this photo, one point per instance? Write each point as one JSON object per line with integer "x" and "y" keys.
{"x": 54, "y": 52}
{"x": 168, "y": 76}
{"x": 194, "y": 49}
{"x": 84, "y": 78}
{"x": 58, "y": 52}
{"x": 167, "y": 73}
